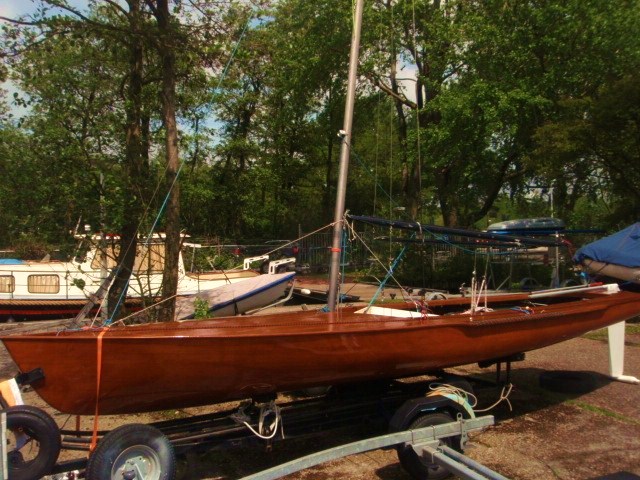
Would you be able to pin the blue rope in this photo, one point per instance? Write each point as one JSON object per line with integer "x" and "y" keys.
{"x": 390, "y": 272}
{"x": 235, "y": 49}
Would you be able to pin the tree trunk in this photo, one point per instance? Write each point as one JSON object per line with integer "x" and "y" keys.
{"x": 172, "y": 252}
{"x": 134, "y": 167}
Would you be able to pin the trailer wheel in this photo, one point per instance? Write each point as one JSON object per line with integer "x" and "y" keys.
{"x": 134, "y": 451}
{"x": 33, "y": 442}
{"x": 417, "y": 467}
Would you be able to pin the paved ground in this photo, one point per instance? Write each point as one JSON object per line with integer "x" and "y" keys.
{"x": 595, "y": 435}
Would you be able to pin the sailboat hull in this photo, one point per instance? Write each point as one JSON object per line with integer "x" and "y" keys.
{"x": 182, "y": 364}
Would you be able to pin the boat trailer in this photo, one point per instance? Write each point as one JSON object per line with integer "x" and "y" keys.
{"x": 429, "y": 433}
{"x": 426, "y": 442}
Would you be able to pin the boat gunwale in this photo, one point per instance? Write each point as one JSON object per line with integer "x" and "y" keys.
{"x": 324, "y": 323}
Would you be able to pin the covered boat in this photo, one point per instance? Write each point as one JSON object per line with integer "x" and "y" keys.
{"x": 616, "y": 256}
{"x": 528, "y": 226}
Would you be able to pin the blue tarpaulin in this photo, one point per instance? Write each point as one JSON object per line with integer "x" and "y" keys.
{"x": 622, "y": 248}
{"x": 11, "y": 261}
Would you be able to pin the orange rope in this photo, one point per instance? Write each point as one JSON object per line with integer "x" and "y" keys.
{"x": 94, "y": 436}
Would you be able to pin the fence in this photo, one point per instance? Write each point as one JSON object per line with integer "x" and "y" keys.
{"x": 440, "y": 263}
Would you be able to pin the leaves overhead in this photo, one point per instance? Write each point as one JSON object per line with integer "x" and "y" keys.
{"x": 463, "y": 107}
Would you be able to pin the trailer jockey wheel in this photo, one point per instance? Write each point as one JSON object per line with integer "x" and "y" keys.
{"x": 133, "y": 452}
{"x": 33, "y": 442}
{"x": 417, "y": 467}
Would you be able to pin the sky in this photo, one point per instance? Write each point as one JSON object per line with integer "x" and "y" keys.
{"x": 13, "y": 8}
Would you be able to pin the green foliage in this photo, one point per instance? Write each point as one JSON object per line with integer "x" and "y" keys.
{"x": 201, "y": 308}
{"x": 211, "y": 258}
{"x": 506, "y": 96}
{"x": 29, "y": 248}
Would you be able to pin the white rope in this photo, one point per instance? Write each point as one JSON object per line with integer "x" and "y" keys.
{"x": 504, "y": 397}
{"x": 447, "y": 389}
{"x": 470, "y": 398}
{"x": 261, "y": 427}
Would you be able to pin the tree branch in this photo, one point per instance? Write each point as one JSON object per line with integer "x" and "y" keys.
{"x": 117, "y": 7}
{"x": 86, "y": 19}
{"x": 21, "y": 22}
{"x": 389, "y": 91}
{"x": 152, "y": 7}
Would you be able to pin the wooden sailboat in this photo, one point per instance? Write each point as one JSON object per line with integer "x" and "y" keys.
{"x": 127, "y": 369}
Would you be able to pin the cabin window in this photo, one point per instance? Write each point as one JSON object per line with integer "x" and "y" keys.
{"x": 43, "y": 283}
{"x": 111, "y": 257}
{"x": 7, "y": 284}
{"x": 148, "y": 259}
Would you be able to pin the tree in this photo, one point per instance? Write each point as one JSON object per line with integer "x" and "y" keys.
{"x": 592, "y": 149}
{"x": 167, "y": 48}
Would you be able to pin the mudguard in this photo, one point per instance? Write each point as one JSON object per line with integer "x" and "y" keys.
{"x": 411, "y": 409}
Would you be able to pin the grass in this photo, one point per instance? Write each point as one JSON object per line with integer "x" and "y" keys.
{"x": 602, "y": 411}
{"x": 601, "y": 335}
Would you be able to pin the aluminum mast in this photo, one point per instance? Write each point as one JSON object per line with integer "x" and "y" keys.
{"x": 345, "y": 133}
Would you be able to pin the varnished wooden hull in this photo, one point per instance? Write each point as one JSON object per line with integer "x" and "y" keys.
{"x": 181, "y": 364}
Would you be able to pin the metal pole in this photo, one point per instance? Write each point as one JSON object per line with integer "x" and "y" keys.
{"x": 345, "y": 133}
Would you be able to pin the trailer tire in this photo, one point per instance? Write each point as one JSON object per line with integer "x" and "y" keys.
{"x": 41, "y": 432}
{"x": 135, "y": 446}
{"x": 412, "y": 464}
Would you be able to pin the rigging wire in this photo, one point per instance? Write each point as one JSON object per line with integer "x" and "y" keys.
{"x": 389, "y": 274}
{"x": 425, "y": 229}
{"x": 377, "y": 259}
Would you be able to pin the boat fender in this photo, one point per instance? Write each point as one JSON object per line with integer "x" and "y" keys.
{"x": 411, "y": 409}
